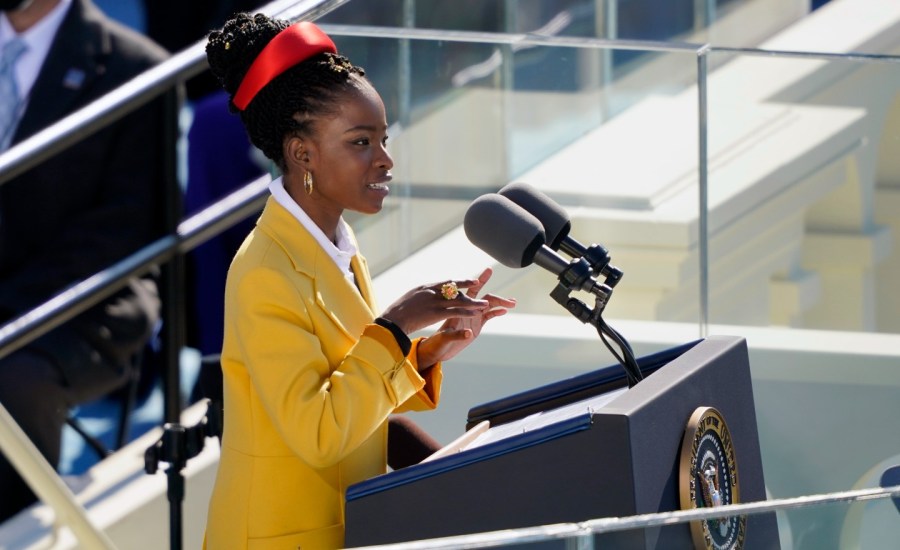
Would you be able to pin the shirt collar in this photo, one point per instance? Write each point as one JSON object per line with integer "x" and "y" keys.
{"x": 341, "y": 252}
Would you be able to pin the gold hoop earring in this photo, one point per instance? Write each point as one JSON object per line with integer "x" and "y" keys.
{"x": 308, "y": 183}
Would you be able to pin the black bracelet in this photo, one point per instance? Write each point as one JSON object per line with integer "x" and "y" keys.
{"x": 402, "y": 339}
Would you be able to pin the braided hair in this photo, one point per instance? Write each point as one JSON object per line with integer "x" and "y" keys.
{"x": 289, "y": 104}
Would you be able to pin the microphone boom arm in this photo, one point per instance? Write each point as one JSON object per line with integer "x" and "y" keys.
{"x": 577, "y": 275}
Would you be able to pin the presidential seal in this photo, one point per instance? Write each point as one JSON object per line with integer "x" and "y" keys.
{"x": 708, "y": 477}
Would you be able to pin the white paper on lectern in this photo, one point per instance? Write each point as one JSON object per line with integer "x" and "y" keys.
{"x": 544, "y": 418}
{"x": 460, "y": 443}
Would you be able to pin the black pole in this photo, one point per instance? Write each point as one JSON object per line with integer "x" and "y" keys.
{"x": 174, "y": 440}
{"x": 173, "y": 332}
{"x": 176, "y": 446}
{"x": 173, "y": 271}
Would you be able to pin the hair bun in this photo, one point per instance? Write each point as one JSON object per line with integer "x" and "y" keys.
{"x": 311, "y": 88}
{"x": 231, "y": 50}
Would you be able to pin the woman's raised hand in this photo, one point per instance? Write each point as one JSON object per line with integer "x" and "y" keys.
{"x": 426, "y": 305}
{"x": 458, "y": 331}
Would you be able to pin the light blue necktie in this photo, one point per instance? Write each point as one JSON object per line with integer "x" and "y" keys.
{"x": 9, "y": 90}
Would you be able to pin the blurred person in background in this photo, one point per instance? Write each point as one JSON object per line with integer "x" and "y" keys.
{"x": 73, "y": 215}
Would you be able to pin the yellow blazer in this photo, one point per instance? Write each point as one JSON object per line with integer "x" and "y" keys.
{"x": 309, "y": 383}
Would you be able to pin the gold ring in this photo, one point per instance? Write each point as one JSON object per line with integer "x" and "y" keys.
{"x": 449, "y": 291}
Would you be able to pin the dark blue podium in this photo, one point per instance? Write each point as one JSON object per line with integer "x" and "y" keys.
{"x": 582, "y": 448}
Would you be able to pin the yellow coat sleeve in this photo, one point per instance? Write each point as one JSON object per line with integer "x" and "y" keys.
{"x": 429, "y": 395}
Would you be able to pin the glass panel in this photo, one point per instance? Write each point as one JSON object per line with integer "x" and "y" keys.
{"x": 804, "y": 191}
{"x": 478, "y": 115}
{"x": 721, "y": 22}
{"x": 827, "y": 422}
{"x": 472, "y": 116}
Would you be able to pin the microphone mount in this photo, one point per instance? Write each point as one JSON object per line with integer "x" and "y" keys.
{"x": 578, "y": 275}
{"x": 597, "y": 256}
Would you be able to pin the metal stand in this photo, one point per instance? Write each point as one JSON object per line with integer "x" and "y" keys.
{"x": 177, "y": 445}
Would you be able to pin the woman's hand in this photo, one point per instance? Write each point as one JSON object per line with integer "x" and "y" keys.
{"x": 459, "y": 331}
{"x": 425, "y": 305}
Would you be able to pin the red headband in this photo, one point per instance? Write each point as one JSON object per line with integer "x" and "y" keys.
{"x": 294, "y": 44}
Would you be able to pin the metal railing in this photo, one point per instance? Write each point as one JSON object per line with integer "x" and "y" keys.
{"x": 584, "y": 531}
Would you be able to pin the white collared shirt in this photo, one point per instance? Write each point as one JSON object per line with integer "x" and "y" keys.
{"x": 38, "y": 39}
{"x": 342, "y": 252}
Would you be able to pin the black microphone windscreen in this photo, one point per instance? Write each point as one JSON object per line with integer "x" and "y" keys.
{"x": 551, "y": 215}
{"x": 504, "y": 230}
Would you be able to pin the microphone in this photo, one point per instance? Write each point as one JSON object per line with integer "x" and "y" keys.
{"x": 556, "y": 224}
{"x": 551, "y": 215}
{"x": 515, "y": 238}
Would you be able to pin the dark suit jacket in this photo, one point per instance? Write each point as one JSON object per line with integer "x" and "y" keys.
{"x": 96, "y": 202}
